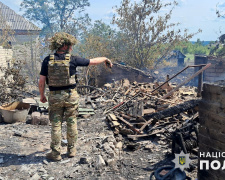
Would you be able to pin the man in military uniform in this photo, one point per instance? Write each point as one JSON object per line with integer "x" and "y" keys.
{"x": 58, "y": 71}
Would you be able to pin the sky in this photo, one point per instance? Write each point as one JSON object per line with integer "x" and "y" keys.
{"x": 191, "y": 14}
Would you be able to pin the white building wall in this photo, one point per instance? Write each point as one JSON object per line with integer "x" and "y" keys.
{"x": 5, "y": 58}
{"x": 28, "y": 48}
{"x": 22, "y": 39}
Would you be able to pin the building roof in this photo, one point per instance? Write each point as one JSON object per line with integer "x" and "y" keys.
{"x": 10, "y": 20}
{"x": 175, "y": 54}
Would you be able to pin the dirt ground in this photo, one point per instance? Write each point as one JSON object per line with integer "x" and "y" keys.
{"x": 100, "y": 154}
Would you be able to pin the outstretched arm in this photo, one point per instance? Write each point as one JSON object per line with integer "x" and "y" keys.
{"x": 41, "y": 86}
{"x": 100, "y": 60}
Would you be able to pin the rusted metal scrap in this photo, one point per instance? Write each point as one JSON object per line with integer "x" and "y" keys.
{"x": 187, "y": 80}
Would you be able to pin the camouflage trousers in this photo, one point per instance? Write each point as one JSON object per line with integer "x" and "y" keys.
{"x": 63, "y": 104}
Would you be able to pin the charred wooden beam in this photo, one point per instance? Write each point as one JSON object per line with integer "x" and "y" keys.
{"x": 134, "y": 137}
{"x": 170, "y": 111}
{"x": 174, "y": 110}
{"x": 129, "y": 125}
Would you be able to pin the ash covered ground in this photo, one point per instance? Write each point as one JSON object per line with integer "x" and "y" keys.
{"x": 104, "y": 150}
{"x": 100, "y": 154}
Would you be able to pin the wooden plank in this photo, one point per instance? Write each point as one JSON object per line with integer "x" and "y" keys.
{"x": 145, "y": 135}
{"x": 148, "y": 111}
{"x": 127, "y": 91}
{"x": 148, "y": 122}
{"x": 113, "y": 117}
{"x": 126, "y": 116}
{"x": 84, "y": 113}
{"x": 130, "y": 125}
{"x": 85, "y": 110}
{"x": 115, "y": 123}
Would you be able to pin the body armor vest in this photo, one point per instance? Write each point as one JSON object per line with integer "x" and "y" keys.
{"x": 59, "y": 72}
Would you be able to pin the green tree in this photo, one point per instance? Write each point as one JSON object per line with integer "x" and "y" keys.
{"x": 101, "y": 29}
{"x": 200, "y": 48}
{"x": 55, "y": 15}
{"x": 147, "y": 32}
{"x": 218, "y": 47}
{"x": 97, "y": 41}
{"x": 188, "y": 47}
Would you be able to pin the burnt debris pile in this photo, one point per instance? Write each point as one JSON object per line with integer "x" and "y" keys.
{"x": 144, "y": 110}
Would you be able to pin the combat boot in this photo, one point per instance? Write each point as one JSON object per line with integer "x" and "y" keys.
{"x": 71, "y": 152}
{"x": 53, "y": 156}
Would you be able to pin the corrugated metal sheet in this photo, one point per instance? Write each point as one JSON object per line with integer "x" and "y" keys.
{"x": 10, "y": 20}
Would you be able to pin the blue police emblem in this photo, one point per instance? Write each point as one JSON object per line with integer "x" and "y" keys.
{"x": 182, "y": 160}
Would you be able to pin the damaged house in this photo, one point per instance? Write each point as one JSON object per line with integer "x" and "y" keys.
{"x": 19, "y": 37}
{"x": 119, "y": 72}
{"x": 176, "y": 57}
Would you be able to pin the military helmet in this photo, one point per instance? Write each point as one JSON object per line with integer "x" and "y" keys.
{"x": 60, "y": 39}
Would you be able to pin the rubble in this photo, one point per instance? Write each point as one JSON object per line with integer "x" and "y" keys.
{"x": 100, "y": 162}
{"x": 119, "y": 145}
{"x": 39, "y": 119}
{"x": 125, "y": 131}
{"x": 35, "y": 177}
{"x": 84, "y": 160}
{"x": 138, "y": 110}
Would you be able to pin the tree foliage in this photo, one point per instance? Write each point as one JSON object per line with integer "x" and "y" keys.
{"x": 56, "y": 15}
{"x": 98, "y": 41}
{"x": 188, "y": 47}
{"x": 148, "y": 33}
{"x": 217, "y": 48}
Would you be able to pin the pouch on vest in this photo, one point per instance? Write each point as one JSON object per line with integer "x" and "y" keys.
{"x": 59, "y": 72}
